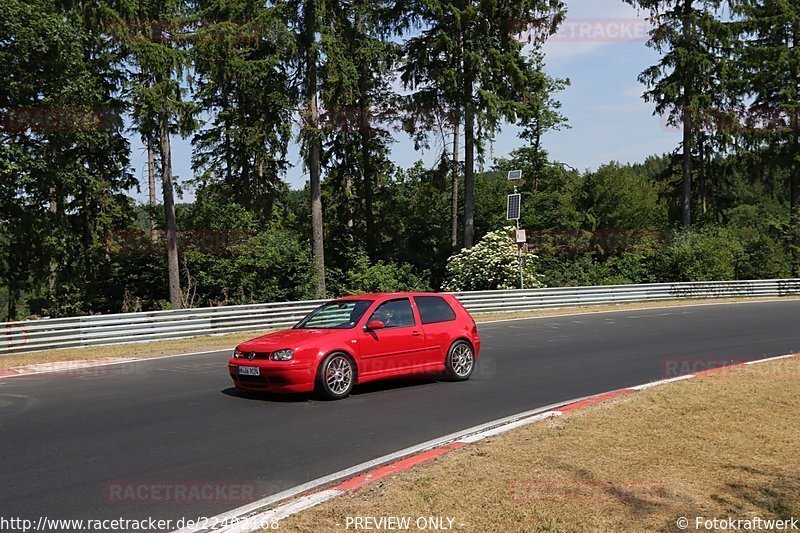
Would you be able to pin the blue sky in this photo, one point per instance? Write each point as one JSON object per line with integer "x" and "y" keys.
{"x": 601, "y": 49}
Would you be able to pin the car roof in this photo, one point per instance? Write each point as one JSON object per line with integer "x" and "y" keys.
{"x": 387, "y": 295}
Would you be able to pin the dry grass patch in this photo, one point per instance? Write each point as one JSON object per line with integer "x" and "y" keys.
{"x": 718, "y": 446}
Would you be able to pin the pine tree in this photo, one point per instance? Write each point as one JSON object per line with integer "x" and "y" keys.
{"x": 467, "y": 57}
{"x": 65, "y": 174}
{"x": 157, "y": 33}
{"x": 242, "y": 75}
{"x": 768, "y": 61}
{"x": 357, "y": 111}
{"x": 687, "y": 84}
{"x": 308, "y": 20}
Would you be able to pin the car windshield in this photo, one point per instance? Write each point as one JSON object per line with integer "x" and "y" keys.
{"x": 343, "y": 314}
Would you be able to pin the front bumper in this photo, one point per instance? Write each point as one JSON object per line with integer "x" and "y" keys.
{"x": 274, "y": 376}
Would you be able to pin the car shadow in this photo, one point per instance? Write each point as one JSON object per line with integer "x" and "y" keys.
{"x": 395, "y": 384}
{"x": 266, "y": 396}
{"x": 359, "y": 390}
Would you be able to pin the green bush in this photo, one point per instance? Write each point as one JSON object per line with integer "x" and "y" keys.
{"x": 618, "y": 198}
{"x": 492, "y": 264}
{"x": 366, "y": 277}
{"x": 633, "y": 267}
{"x": 563, "y": 270}
{"x": 270, "y": 266}
{"x": 708, "y": 254}
{"x": 764, "y": 235}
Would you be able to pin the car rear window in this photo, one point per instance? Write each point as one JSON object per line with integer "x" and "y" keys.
{"x": 433, "y": 309}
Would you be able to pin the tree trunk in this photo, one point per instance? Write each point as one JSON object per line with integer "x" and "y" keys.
{"x": 317, "y": 235}
{"x": 794, "y": 180}
{"x": 52, "y": 282}
{"x": 314, "y": 156}
{"x": 469, "y": 173}
{"x": 86, "y": 226}
{"x": 348, "y": 195}
{"x": 795, "y": 221}
{"x": 366, "y": 136}
{"x": 794, "y": 194}
{"x": 686, "y": 186}
{"x": 151, "y": 182}
{"x": 175, "y": 296}
{"x": 369, "y": 183}
{"x": 454, "y": 182}
{"x": 12, "y": 302}
{"x": 11, "y": 282}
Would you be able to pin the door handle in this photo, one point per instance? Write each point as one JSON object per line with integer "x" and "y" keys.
{"x": 416, "y": 333}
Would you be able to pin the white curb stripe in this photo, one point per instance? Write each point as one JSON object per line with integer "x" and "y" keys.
{"x": 662, "y": 382}
{"x": 266, "y": 519}
{"x": 759, "y": 361}
{"x": 508, "y": 427}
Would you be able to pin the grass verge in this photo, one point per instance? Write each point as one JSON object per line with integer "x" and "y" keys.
{"x": 723, "y": 445}
{"x": 145, "y": 350}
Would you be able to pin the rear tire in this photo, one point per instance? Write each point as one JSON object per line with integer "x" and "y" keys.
{"x": 335, "y": 377}
{"x": 460, "y": 362}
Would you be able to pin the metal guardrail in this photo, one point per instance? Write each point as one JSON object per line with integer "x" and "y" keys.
{"x": 96, "y": 330}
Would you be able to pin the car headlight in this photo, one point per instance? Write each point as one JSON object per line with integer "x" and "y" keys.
{"x": 236, "y": 353}
{"x": 282, "y": 355}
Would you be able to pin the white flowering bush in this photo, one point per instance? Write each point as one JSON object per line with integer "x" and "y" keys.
{"x": 492, "y": 264}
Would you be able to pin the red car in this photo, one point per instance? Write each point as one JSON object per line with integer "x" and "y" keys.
{"x": 358, "y": 339}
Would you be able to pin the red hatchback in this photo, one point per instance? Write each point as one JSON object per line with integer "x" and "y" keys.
{"x": 358, "y": 339}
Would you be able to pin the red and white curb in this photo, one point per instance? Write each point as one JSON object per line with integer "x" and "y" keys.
{"x": 60, "y": 366}
{"x": 252, "y": 517}
{"x": 87, "y": 364}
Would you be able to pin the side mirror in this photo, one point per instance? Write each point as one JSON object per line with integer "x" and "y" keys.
{"x": 374, "y": 325}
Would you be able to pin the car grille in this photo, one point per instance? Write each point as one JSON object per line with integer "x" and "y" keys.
{"x": 256, "y": 355}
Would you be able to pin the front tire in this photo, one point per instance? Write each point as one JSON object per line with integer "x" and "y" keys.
{"x": 335, "y": 377}
{"x": 460, "y": 361}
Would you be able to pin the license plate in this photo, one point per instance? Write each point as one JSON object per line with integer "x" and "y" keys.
{"x": 249, "y": 371}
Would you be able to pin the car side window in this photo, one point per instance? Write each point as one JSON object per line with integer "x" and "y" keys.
{"x": 433, "y": 309}
{"x": 395, "y": 314}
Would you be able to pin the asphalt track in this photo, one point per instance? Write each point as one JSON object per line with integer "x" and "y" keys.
{"x": 113, "y": 441}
